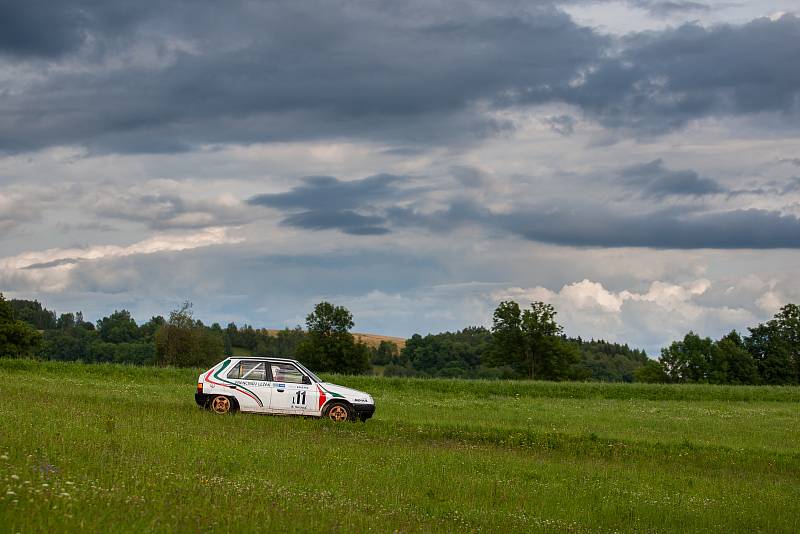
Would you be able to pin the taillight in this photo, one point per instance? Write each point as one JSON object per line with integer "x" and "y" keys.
{"x": 199, "y": 387}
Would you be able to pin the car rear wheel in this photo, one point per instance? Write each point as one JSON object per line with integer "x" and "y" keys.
{"x": 339, "y": 412}
{"x": 221, "y": 404}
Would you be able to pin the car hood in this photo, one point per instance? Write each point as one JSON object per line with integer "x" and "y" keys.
{"x": 353, "y": 395}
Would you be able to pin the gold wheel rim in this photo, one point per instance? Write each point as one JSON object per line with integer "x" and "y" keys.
{"x": 338, "y": 413}
{"x": 221, "y": 405}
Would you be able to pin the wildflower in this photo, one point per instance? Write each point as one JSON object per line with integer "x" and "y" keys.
{"x": 14, "y": 477}
{"x": 4, "y": 457}
{"x": 9, "y": 492}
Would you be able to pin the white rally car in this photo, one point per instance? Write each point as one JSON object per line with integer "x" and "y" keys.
{"x": 278, "y": 386}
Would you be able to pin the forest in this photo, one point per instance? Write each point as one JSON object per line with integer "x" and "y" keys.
{"x": 522, "y": 343}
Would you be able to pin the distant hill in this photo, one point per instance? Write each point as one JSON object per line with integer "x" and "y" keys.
{"x": 373, "y": 340}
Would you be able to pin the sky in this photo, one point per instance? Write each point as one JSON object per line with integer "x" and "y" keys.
{"x": 634, "y": 163}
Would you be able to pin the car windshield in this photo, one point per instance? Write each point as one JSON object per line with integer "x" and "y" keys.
{"x": 314, "y": 377}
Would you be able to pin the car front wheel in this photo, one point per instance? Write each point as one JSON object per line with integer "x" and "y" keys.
{"x": 221, "y": 404}
{"x": 339, "y": 412}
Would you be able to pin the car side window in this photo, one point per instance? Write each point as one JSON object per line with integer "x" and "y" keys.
{"x": 235, "y": 372}
{"x": 248, "y": 371}
{"x": 286, "y": 372}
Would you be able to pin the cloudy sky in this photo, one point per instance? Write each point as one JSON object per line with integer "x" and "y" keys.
{"x": 636, "y": 163}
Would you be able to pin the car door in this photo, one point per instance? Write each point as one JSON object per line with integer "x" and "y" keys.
{"x": 251, "y": 387}
{"x": 292, "y": 390}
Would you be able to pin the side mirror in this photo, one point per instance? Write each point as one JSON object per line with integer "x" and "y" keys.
{"x": 306, "y": 379}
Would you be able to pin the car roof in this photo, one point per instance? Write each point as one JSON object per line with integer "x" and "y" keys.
{"x": 262, "y": 358}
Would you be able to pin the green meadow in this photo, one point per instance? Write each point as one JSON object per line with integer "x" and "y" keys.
{"x": 114, "y": 448}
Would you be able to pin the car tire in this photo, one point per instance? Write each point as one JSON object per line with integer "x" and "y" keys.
{"x": 220, "y": 404}
{"x": 339, "y": 412}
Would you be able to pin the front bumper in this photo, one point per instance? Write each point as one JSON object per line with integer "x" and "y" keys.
{"x": 364, "y": 411}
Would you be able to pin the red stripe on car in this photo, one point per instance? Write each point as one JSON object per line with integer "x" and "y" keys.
{"x": 207, "y": 379}
{"x": 322, "y": 397}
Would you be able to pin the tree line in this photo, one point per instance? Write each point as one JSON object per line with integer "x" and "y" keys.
{"x": 768, "y": 354}
{"x": 27, "y": 329}
{"x": 522, "y": 343}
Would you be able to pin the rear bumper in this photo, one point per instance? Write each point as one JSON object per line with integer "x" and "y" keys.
{"x": 201, "y": 399}
{"x": 364, "y": 411}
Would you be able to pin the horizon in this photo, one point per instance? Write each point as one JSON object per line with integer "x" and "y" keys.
{"x": 357, "y": 333}
{"x": 634, "y": 163}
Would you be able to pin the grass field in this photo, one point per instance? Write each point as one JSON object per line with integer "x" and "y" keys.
{"x": 112, "y": 448}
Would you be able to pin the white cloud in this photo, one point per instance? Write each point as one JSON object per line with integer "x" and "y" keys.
{"x": 770, "y": 302}
{"x": 50, "y": 270}
{"x": 649, "y": 319}
{"x": 588, "y": 295}
{"x": 669, "y": 296}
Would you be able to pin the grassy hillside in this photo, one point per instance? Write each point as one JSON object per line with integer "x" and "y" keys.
{"x": 373, "y": 340}
{"x": 114, "y": 448}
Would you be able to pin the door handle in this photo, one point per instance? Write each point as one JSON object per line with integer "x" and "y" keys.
{"x": 233, "y": 387}
{"x": 280, "y": 391}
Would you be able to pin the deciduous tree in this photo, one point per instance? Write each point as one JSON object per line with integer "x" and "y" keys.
{"x": 775, "y": 345}
{"x": 119, "y": 327}
{"x": 689, "y": 360}
{"x": 17, "y": 338}
{"x": 733, "y": 364}
{"x": 530, "y": 341}
{"x": 329, "y": 345}
{"x": 184, "y": 342}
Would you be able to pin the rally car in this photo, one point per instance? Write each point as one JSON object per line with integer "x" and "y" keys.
{"x": 278, "y": 386}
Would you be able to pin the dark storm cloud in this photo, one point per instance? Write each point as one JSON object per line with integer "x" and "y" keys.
{"x": 45, "y": 29}
{"x": 598, "y": 226}
{"x": 654, "y": 180}
{"x": 305, "y": 71}
{"x": 371, "y": 207}
{"x": 405, "y": 74}
{"x": 329, "y": 203}
{"x": 39, "y": 28}
{"x": 661, "y": 80}
{"x": 328, "y": 193}
{"x": 347, "y": 221}
{"x": 736, "y": 229}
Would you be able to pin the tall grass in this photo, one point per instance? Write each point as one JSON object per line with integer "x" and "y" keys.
{"x": 115, "y": 448}
{"x": 473, "y": 388}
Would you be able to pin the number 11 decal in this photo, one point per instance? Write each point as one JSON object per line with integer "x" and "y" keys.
{"x": 300, "y": 397}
